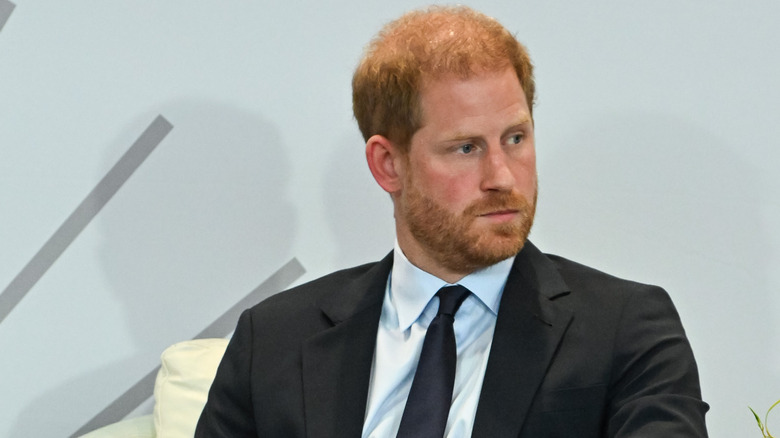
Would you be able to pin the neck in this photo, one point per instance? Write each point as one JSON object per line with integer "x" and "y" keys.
{"x": 419, "y": 257}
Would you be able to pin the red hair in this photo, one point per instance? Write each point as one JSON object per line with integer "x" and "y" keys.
{"x": 426, "y": 45}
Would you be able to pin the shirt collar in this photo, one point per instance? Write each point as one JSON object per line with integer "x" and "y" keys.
{"x": 411, "y": 288}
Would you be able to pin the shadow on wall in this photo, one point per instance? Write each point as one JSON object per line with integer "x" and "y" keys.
{"x": 199, "y": 225}
{"x": 204, "y": 221}
{"x": 359, "y": 212}
{"x": 653, "y": 188}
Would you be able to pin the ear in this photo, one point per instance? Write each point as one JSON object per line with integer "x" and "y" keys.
{"x": 385, "y": 161}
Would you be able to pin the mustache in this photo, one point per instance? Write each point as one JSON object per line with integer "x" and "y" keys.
{"x": 498, "y": 201}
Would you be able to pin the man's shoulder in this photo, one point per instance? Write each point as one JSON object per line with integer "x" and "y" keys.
{"x": 577, "y": 275}
{"x": 580, "y": 285}
{"x": 593, "y": 288}
{"x": 345, "y": 282}
{"x": 336, "y": 279}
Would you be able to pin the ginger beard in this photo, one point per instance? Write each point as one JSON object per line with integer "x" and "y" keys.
{"x": 454, "y": 241}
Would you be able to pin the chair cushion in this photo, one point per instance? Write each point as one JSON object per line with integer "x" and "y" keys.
{"x": 183, "y": 383}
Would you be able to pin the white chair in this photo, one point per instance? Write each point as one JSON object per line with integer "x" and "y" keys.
{"x": 180, "y": 391}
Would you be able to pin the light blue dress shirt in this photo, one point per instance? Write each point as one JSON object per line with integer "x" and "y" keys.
{"x": 409, "y": 306}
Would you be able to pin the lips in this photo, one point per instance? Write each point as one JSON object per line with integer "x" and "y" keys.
{"x": 500, "y": 216}
{"x": 507, "y": 211}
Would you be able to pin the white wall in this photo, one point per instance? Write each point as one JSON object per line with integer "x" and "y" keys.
{"x": 656, "y": 137}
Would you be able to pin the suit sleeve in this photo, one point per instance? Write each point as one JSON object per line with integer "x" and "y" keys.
{"x": 654, "y": 388}
{"x": 228, "y": 411}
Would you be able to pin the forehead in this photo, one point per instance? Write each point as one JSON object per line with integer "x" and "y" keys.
{"x": 483, "y": 97}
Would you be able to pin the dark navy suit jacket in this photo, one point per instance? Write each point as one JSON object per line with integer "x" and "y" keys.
{"x": 576, "y": 353}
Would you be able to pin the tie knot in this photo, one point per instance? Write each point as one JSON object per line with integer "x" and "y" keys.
{"x": 450, "y": 299}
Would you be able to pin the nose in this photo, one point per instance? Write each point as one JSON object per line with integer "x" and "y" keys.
{"x": 496, "y": 171}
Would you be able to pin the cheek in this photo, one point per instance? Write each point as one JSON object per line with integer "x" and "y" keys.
{"x": 525, "y": 172}
{"x": 451, "y": 190}
{"x": 459, "y": 192}
{"x": 525, "y": 175}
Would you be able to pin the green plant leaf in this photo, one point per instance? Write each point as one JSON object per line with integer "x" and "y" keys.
{"x": 766, "y": 419}
{"x": 758, "y": 420}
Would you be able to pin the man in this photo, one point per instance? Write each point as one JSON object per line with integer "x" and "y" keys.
{"x": 545, "y": 347}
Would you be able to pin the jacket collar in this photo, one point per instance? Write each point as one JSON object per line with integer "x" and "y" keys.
{"x": 530, "y": 325}
{"x": 337, "y": 361}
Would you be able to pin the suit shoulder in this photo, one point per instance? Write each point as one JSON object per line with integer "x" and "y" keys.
{"x": 307, "y": 294}
{"x": 580, "y": 277}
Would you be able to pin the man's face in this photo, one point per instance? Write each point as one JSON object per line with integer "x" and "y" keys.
{"x": 469, "y": 179}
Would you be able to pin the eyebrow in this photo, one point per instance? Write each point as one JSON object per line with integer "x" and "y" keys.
{"x": 524, "y": 120}
{"x": 459, "y": 136}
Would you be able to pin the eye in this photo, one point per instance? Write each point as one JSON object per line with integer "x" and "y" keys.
{"x": 515, "y": 139}
{"x": 466, "y": 148}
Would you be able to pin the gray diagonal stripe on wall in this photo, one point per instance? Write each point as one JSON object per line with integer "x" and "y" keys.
{"x": 83, "y": 215}
{"x": 279, "y": 281}
{"x": 144, "y": 388}
{"x": 6, "y": 8}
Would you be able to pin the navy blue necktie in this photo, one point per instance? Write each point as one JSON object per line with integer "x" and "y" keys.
{"x": 428, "y": 405}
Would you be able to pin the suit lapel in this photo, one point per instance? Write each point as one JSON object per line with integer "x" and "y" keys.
{"x": 529, "y": 327}
{"x": 337, "y": 361}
